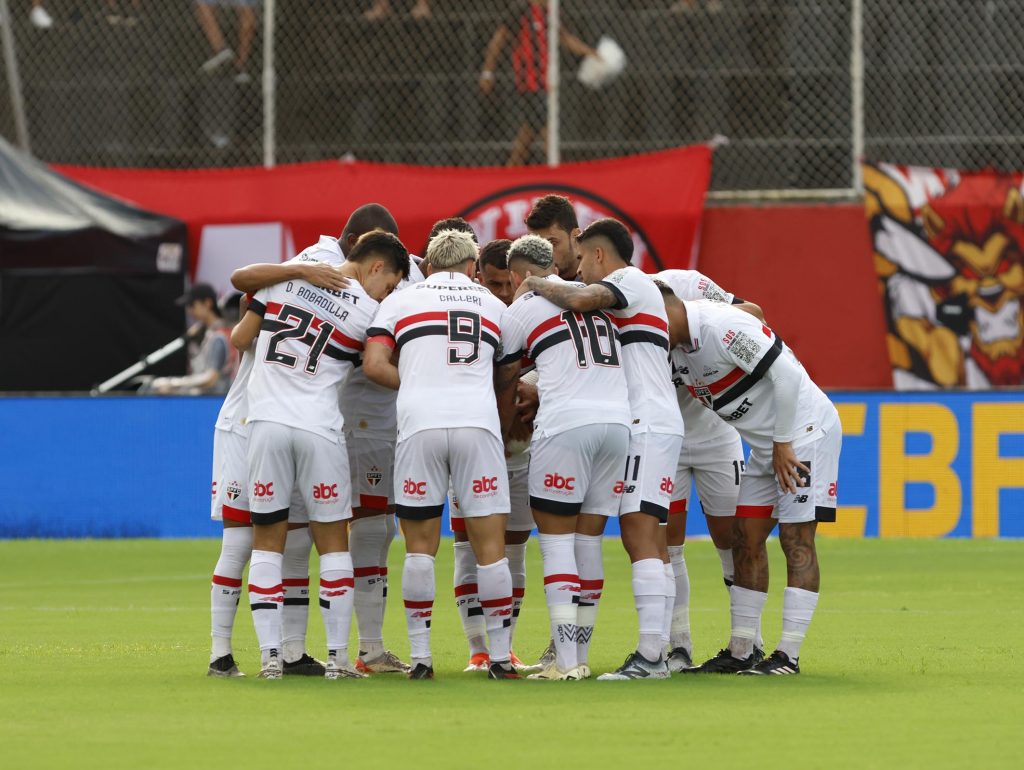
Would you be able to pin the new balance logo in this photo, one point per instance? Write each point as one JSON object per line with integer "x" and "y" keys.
{"x": 501, "y": 613}
{"x": 418, "y": 488}
{"x": 623, "y": 488}
{"x": 557, "y": 481}
{"x": 421, "y": 614}
{"x": 260, "y": 489}
{"x": 480, "y": 486}
{"x": 330, "y": 594}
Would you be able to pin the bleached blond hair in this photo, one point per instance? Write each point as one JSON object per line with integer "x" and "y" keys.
{"x": 450, "y": 248}
{"x": 533, "y": 249}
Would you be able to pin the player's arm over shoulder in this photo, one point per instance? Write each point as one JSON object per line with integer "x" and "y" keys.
{"x": 580, "y": 299}
{"x": 252, "y": 278}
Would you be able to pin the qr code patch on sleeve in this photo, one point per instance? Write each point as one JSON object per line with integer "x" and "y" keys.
{"x": 744, "y": 347}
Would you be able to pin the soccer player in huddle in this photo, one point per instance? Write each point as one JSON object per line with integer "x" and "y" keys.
{"x": 712, "y": 458}
{"x": 308, "y": 341}
{"x": 553, "y": 218}
{"x": 446, "y": 330}
{"x": 581, "y": 434}
{"x": 738, "y": 368}
{"x": 634, "y": 303}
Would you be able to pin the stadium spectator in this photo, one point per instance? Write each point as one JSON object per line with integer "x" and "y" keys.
{"x": 213, "y": 366}
{"x": 222, "y": 55}
{"x": 382, "y": 9}
{"x": 526, "y": 23}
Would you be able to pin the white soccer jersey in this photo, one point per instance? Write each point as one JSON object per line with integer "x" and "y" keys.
{"x": 369, "y": 409}
{"x": 639, "y": 314}
{"x": 324, "y": 250}
{"x": 233, "y": 412}
{"x": 724, "y": 364}
{"x": 700, "y": 424}
{"x": 581, "y": 380}
{"x": 308, "y": 344}
{"x": 447, "y": 329}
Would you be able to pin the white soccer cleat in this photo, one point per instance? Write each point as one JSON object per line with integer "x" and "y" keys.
{"x": 385, "y": 663}
{"x": 585, "y": 672}
{"x": 551, "y": 673}
{"x": 334, "y": 670}
{"x": 272, "y": 669}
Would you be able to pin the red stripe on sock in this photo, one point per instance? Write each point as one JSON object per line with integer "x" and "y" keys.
{"x": 754, "y": 511}
{"x": 411, "y": 605}
{"x": 300, "y": 582}
{"x": 504, "y": 601}
{"x": 591, "y": 585}
{"x": 561, "y": 578}
{"x": 518, "y": 593}
{"x": 465, "y": 588}
{"x": 361, "y": 572}
{"x": 266, "y": 591}
{"x": 340, "y": 583}
{"x": 226, "y": 581}
{"x": 376, "y": 502}
{"x": 383, "y": 571}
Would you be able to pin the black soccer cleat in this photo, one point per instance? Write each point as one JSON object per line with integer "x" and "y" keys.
{"x": 422, "y": 671}
{"x": 776, "y": 664}
{"x": 723, "y": 663}
{"x": 502, "y": 670}
{"x": 224, "y": 667}
{"x": 307, "y": 665}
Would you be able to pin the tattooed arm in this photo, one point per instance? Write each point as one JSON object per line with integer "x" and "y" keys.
{"x": 596, "y": 296}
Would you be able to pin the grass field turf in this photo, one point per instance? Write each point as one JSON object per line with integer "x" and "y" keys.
{"x": 912, "y": 661}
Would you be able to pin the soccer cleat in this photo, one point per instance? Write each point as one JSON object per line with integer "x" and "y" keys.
{"x": 224, "y": 667}
{"x": 551, "y": 673}
{"x": 271, "y": 669}
{"x": 519, "y": 665}
{"x": 723, "y": 663}
{"x": 385, "y": 663}
{"x": 307, "y": 665}
{"x": 637, "y": 666}
{"x": 334, "y": 670}
{"x": 547, "y": 658}
{"x": 422, "y": 671}
{"x": 679, "y": 660}
{"x": 584, "y": 669}
{"x": 777, "y": 664}
{"x": 502, "y": 670}
{"x": 479, "y": 662}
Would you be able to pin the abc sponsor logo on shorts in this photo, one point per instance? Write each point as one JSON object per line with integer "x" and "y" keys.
{"x": 833, "y": 489}
{"x": 486, "y": 486}
{"x": 259, "y": 489}
{"x": 559, "y": 482}
{"x": 414, "y": 488}
{"x": 325, "y": 493}
{"x": 622, "y": 488}
{"x": 667, "y": 485}
{"x": 213, "y": 491}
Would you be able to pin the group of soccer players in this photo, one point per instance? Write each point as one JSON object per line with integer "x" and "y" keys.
{"x": 539, "y": 382}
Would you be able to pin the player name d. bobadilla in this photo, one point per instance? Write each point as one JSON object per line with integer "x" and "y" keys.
{"x": 315, "y": 297}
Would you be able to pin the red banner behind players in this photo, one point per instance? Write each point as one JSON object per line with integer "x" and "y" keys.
{"x": 659, "y": 196}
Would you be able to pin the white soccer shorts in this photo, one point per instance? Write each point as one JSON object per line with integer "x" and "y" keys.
{"x": 761, "y": 497}
{"x": 285, "y": 460}
{"x": 717, "y": 468}
{"x": 230, "y": 490}
{"x": 473, "y": 459}
{"x": 650, "y": 473}
{"x": 579, "y": 470}
{"x": 371, "y": 461}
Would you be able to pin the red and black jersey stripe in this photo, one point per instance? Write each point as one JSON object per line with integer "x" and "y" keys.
{"x": 433, "y": 323}
{"x": 642, "y": 327}
{"x": 735, "y": 383}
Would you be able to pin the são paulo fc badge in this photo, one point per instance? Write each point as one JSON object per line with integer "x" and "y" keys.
{"x": 501, "y": 215}
{"x": 374, "y": 476}
{"x": 704, "y": 394}
{"x": 233, "y": 490}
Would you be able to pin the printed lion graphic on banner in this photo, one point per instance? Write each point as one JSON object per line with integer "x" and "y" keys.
{"x": 949, "y": 253}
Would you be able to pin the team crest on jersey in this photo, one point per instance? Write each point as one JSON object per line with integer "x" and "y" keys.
{"x": 234, "y": 490}
{"x": 501, "y": 215}
{"x": 703, "y": 393}
{"x": 374, "y": 476}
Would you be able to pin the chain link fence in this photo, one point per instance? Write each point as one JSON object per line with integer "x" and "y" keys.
{"x": 799, "y": 89}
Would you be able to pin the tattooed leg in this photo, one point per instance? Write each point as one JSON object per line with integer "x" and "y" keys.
{"x": 801, "y": 557}
{"x": 750, "y": 553}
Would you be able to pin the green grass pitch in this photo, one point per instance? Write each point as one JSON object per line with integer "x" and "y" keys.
{"x": 912, "y": 661}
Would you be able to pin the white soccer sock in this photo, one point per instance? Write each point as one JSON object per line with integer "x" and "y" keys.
{"x": 385, "y": 548}
{"x": 496, "y": 600}
{"x": 266, "y": 595}
{"x": 797, "y": 610}
{"x": 670, "y": 605}
{"x": 337, "y": 595}
{"x": 516, "y": 555}
{"x": 366, "y": 539}
{"x": 728, "y": 568}
{"x": 590, "y": 568}
{"x": 295, "y": 613}
{"x": 679, "y": 633}
{"x": 562, "y": 592}
{"x": 226, "y": 587}
{"x": 418, "y": 591}
{"x": 649, "y": 597}
{"x": 745, "y": 608}
{"x": 467, "y": 599}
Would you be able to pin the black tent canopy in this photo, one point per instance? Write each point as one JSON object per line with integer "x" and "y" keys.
{"x": 87, "y": 282}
